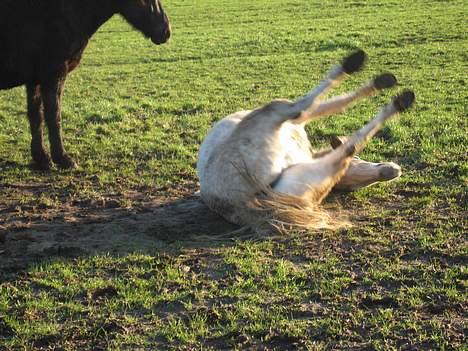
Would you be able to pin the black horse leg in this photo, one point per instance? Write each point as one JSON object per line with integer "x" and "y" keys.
{"x": 40, "y": 157}
{"x": 52, "y": 97}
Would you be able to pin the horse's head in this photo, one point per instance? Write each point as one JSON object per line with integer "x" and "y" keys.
{"x": 147, "y": 16}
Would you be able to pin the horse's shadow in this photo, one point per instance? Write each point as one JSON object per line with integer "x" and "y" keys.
{"x": 116, "y": 231}
{"x": 6, "y": 165}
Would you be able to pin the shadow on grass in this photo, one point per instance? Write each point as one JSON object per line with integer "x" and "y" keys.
{"x": 6, "y": 165}
{"x": 81, "y": 232}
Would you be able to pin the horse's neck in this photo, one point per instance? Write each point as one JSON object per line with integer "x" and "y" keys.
{"x": 86, "y": 16}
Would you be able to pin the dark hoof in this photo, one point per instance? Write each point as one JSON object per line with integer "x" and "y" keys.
{"x": 337, "y": 141}
{"x": 354, "y": 62}
{"x": 404, "y": 100}
{"x": 384, "y": 81}
{"x": 42, "y": 164}
{"x": 65, "y": 162}
{"x": 350, "y": 150}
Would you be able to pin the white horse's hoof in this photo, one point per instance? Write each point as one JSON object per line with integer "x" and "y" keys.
{"x": 389, "y": 171}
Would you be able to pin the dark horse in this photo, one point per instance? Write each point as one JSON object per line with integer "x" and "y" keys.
{"x": 41, "y": 41}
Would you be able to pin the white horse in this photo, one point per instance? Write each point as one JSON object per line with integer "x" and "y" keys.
{"x": 258, "y": 167}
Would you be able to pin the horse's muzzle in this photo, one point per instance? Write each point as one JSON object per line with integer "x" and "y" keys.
{"x": 163, "y": 34}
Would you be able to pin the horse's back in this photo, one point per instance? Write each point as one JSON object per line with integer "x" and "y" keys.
{"x": 37, "y": 42}
{"x": 215, "y": 138}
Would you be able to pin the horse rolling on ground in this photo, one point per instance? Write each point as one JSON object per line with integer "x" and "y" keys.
{"x": 258, "y": 167}
{"x": 42, "y": 41}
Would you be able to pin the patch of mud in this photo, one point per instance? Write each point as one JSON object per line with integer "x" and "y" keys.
{"x": 72, "y": 230}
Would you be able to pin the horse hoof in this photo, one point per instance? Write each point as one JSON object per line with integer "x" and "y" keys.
{"x": 389, "y": 171}
{"x": 42, "y": 164}
{"x": 404, "y": 100}
{"x": 354, "y": 62}
{"x": 66, "y": 162}
{"x": 350, "y": 150}
{"x": 336, "y": 141}
{"x": 384, "y": 81}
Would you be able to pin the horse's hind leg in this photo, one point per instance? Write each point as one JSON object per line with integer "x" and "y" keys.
{"x": 340, "y": 103}
{"x": 52, "y": 97}
{"x": 40, "y": 157}
{"x": 304, "y": 106}
{"x": 318, "y": 177}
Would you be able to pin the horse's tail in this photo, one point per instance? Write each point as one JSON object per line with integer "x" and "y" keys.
{"x": 259, "y": 207}
{"x": 269, "y": 209}
{"x": 284, "y": 212}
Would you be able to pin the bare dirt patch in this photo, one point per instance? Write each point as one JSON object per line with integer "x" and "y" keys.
{"x": 76, "y": 228}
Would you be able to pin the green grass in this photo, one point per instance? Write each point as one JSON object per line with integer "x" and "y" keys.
{"x": 134, "y": 117}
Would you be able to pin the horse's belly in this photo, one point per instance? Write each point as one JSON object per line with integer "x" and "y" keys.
{"x": 294, "y": 144}
{"x": 16, "y": 67}
{"x": 10, "y": 79}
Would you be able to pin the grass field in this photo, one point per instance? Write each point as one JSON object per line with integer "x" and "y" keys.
{"x": 89, "y": 260}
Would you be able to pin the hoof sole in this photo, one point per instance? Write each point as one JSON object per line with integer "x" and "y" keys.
{"x": 389, "y": 171}
{"x": 354, "y": 62}
{"x": 385, "y": 81}
{"x": 404, "y": 100}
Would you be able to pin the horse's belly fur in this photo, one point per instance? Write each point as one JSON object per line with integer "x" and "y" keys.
{"x": 232, "y": 172}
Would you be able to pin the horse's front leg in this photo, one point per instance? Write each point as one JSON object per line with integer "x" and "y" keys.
{"x": 361, "y": 174}
{"x": 41, "y": 158}
{"x": 52, "y": 98}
